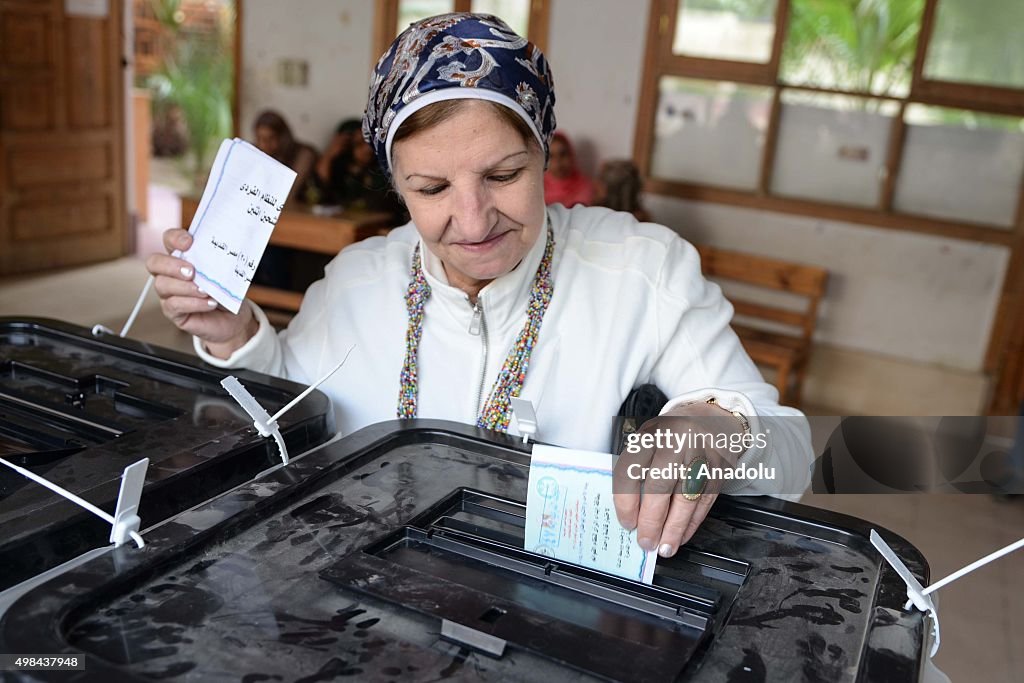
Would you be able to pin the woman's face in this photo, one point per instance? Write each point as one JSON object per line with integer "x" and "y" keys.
{"x": 475, "y": 191}
{"x": 267, "y": 140}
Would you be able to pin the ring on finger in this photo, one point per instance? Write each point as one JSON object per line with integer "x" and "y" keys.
{"x": 694, "y": 483}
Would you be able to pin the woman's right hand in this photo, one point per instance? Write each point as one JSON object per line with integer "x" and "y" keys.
{"x": 191, "y": 309}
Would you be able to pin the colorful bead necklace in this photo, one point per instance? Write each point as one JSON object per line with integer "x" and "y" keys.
{"x": 495, "y": 413}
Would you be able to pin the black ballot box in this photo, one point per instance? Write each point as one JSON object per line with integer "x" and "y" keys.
{"x": 396, "y": 554}
{"x": 77, "y": 409}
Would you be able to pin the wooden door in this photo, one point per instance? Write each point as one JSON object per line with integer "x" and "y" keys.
{"x": 62, "y": 168}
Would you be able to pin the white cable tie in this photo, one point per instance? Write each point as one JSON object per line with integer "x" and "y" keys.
{"x": 266, "y": 425}
{"x": 126, "y": 512}
{"x": 313, "y": 386}
{"x": 915, "y": 592}
{"x": 1016, "y": 545}
{"x": 918, "y": 595}
{"x": 138, "y": 306}
{"x": 261, "y": 418}
{"x": 127, "y": 480}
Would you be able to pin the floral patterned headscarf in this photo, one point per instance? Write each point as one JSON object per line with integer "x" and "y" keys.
{"x": 458, "y": 56}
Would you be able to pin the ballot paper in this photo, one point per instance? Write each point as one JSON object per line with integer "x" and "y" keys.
{"x": 238, "y": 211}
{"x": 570, "y": 515}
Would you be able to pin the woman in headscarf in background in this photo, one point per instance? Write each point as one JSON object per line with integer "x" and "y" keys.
{"x": 564, "y": 182}
{"x": 487, "y": 294}
{"x": 274, "y": 138}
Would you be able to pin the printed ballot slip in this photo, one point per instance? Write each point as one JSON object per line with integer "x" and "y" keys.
{"x": 237, "y": 213}
{"x": 570, "y": 515}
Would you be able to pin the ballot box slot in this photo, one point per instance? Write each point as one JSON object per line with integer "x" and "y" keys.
{"x": 816, "y": 532}
{"x": 85, "y": 425}
{"x": 712, "y": 566}
{"x": 482, "y": 516}
{"x": 65, "y": 350}
{"x": 470, "y": 544}
{"x": 674, "y": 604}
{"x": 19, "y": 372}
{"x": 486, "y": 595}
{"x": 26, "y": 441}
{"x": 140, "y": 408}
{"x": 490, "y": 529}
{"x": 46, "y": 414}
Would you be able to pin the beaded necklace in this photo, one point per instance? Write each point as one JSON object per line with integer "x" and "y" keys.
{"x": 495, "y": 413}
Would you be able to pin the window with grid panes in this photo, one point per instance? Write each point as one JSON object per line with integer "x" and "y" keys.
{"x": 900, "y": 113}
{"x": 526, "y": 17}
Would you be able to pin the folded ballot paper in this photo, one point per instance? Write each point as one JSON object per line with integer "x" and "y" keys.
{"x": 570, "y": 515}
{"x": 238, "y": 211}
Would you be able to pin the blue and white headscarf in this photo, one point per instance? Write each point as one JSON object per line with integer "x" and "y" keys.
{"x": 458, "y": 56}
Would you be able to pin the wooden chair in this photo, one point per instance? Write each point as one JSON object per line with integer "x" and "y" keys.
{"x": 759, "y": 324}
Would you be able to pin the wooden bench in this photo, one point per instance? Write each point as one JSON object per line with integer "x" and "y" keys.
{"x": 774, "y": 336}
{"x": 299, "y": 228}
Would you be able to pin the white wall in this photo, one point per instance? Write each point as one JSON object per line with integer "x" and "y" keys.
{"x": 333, "y": 36}
{"x": 596, "y": 52}
{"x": 909, "y": 296}
{"x": 900, "y": 294}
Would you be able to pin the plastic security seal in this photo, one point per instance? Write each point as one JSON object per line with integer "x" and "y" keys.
{"x": 525, "y": 417}
{"x": 917, "y": 595}
{"x": 266, "y": 425}
{"x": 125, "y": 521}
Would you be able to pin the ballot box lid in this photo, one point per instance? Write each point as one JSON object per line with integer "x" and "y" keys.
{"x": 396, "y": 553}
{"x": 77, "y": 409}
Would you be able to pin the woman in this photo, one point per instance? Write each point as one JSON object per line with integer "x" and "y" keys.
{"x": 274, "y": 138}
{"x": 335, "y": 157}
{"x": 488, "y": 294}
{"x": 281, "y": 267}
{"x": 359, "y": 184}
{"x": 564, "y": 182}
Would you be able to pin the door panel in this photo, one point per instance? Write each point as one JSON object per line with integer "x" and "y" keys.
{"x": 62, "y": 175}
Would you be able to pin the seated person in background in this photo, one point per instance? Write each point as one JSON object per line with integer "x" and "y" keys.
{"x": 358, "y": 183}
{"x": 618, "y": 186}
{"x": 274, "y": 138}
{"x": 564, "y": 183}
{"x": 336, "y": 157}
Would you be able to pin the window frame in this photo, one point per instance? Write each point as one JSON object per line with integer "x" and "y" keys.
{"x": 385, "y": 18}
{"x": 660, "y": 61}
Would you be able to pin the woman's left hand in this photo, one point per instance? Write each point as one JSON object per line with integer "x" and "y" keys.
{"x": 661, "y": 513}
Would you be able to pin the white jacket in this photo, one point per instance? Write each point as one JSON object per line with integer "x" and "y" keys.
{"x": 630, "y": 307}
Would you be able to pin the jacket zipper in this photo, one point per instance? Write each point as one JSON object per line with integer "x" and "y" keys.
{"x": 478, "y": 326}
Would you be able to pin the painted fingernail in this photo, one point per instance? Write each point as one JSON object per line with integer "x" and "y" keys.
{"x": 200, "y": 289}
{"x": 211, "y": 303}
{"x": 186, "y": 271}
{"x": 647, "y": 544}
{"x": 666, "y": 550}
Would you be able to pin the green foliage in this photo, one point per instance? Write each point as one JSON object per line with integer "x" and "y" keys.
{"x": 197, "y": 79}
{"x": 978, "y": 44}
{"x": 167, "y": 12}
{"x": 858, "y": 45}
